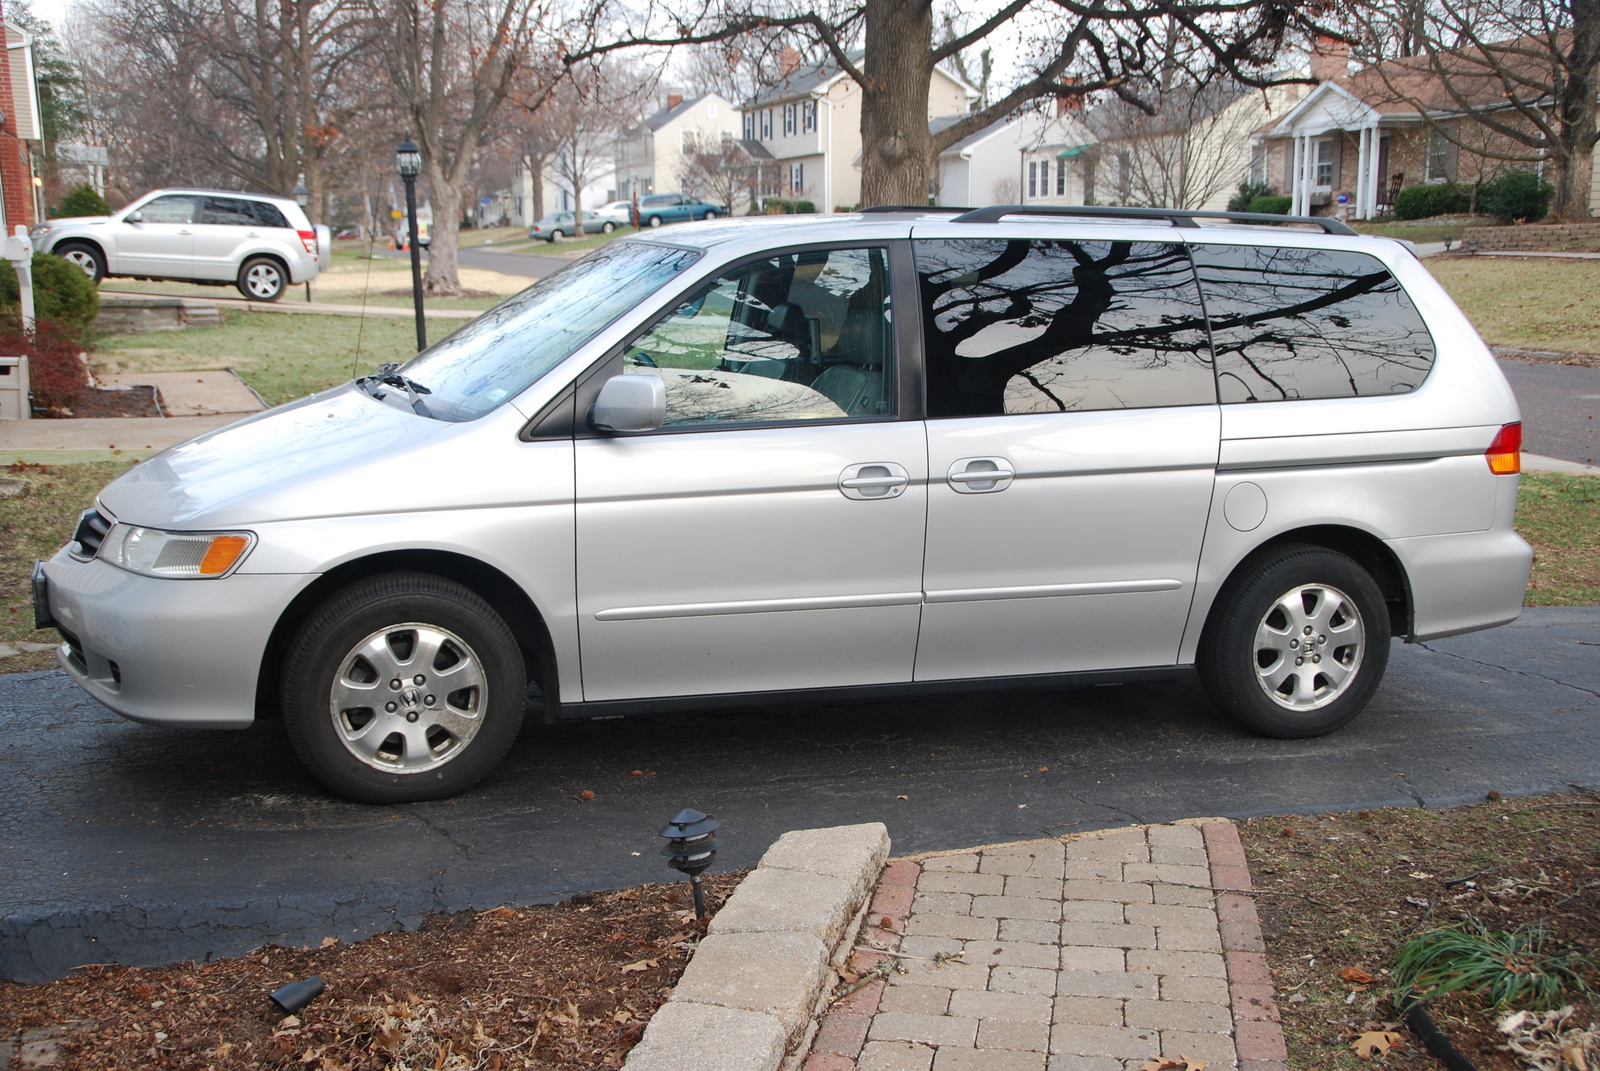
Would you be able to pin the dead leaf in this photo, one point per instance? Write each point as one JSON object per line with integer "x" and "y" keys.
{"x": 1357, "y": 975}
{"x": 329, "y": 942}
{"x": 1376, "y": 1043}
{"x": 586, "y": 795}
{"x": 642, "y": 965}
{"x": 902, "y": 797}
{"x": 1168, "y": 1063}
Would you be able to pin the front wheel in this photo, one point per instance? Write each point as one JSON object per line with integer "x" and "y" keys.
{"x": 87, "y": 258}
{"x": 711, "y": 213}
{"x": 262, "y": 279}
{"x": 653, "y": 221}
{"x": 1298, "y": 642}
{"x": 607, "y": 227}
{"x": 403, "y": 687}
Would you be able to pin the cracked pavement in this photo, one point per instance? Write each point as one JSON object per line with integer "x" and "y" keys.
{"x": 127, "y": 843}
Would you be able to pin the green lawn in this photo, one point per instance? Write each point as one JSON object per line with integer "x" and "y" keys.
{"x": 283, "y": 357}
{"x": 1527, "y": 303}
{"x": 1560, "y": 516}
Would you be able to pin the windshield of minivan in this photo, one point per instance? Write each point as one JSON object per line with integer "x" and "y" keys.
{"x": 509, "y": 347}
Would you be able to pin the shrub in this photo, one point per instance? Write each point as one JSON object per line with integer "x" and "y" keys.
{"x": 1248, "y": 192}
{"x": 1516, "y": 195}
{"x": 1506, "y": 969}
{"x": 57, "y": 374}
{"x": 1420, "y": 202}
{"x": 61, "y": 292}
{"x": 82, "y": 200}
{"x": 1273, "y": 204}
{"x": 804, "y": 206}
{"x": 777, "y": 206}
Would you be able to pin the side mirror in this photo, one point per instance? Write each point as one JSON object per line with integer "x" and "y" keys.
{"x": 636, "y": 402}
{"x": 133, "y": 217}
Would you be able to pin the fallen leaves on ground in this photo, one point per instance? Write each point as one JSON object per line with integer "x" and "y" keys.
{"x": 1376, "y": 1043}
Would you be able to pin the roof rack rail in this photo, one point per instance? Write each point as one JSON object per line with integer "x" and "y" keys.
{"x": 912, "y": 208}
{"x": 1178, "y": 217}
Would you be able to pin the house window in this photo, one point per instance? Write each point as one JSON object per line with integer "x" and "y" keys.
{"x": 1061, "y": 178}
{"x": 750, "y": 126}
{"x": 797, "y": 178}
{"x": 1258, "y": 163}
{"x": 766, "y": 123}
{"x": 689, "y": 141}
{"x": 1438, "y": 163}
{"x": 1324, "y": 174}
{"x": 1033, "y": 178}
{"x": 808, "y": 116}
{"x": 727, "y": 138}
{"x": 788, "y": 120}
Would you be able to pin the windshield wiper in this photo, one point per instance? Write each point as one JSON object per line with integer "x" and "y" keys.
{"x": 387, "y": 376}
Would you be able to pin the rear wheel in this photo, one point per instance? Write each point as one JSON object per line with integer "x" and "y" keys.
{"x": 403, "y": 687}
{"x": 86, "y": 257}
{"x": 556, "y": 234}
{"x": 607, "y": 227}
{"x": 711, "y": 213}
{"x": 1298, "y": 642}
{"x": 262, "y": 279}
{"x": 653, "y": 221}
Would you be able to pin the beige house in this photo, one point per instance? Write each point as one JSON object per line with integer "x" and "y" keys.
{"x": 1059, "y": 166}
{"x": 810, "y": 123}
{"x": 650, "y": 156}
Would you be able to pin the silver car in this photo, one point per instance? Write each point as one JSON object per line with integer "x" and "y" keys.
{"x": 843, "y": 457}
{"x": 255, "y": 242}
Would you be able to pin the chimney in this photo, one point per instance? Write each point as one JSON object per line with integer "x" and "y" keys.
{"x": 1330, "y": 59}
{"x": 1069, "y": 102}
{"x": 674, "y": 98}
{"x": 788, "y": 60}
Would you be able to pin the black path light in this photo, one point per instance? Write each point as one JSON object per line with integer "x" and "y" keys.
{"x": 408, "y": 161}
{"x": 296, "y": 995}
{"x": 691, "y": 849}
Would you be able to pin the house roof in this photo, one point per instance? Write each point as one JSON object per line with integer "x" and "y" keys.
{"x": 666, "y": 115}
{"x": 816, "y": 77}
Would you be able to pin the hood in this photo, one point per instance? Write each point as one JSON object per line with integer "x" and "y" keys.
{"x": 72, "y": 221}
{"x": 324, "y": 455}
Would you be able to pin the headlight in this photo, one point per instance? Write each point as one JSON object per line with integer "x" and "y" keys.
{"x": 180, "y": 555}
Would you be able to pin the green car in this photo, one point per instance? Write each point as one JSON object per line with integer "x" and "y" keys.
{"x": 561, "y": 225}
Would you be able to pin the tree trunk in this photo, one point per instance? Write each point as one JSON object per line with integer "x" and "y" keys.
{"x": 1578, "y": 125}
{"x": 897, "y": 153}
{"x": 443, "y": 280}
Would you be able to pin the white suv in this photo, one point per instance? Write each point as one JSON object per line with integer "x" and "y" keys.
{"x": 258, "y": 243}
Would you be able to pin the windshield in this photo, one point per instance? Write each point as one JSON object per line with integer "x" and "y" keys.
{"x": 509, "y": 347}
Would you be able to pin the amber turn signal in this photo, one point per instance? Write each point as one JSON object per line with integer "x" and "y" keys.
{"x": 1505, "y": 453}
{"x": 223, "y": 552}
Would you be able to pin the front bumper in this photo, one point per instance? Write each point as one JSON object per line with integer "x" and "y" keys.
{"x": 166, "y": 652}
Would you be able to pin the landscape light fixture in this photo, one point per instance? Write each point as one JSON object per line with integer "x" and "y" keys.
{"x": 296, "y": 995}
{"x": 690, "y": 849}
{"x": 408, "y": 161}
{"x": 302, "y": 196}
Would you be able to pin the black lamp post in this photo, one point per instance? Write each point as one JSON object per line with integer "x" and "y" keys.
{"x": 691, "y": 850}
{"x": 408, "y": 161}
{"x": 302, "y": 197}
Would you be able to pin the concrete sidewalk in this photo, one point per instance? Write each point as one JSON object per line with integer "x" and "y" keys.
{"x": 1111, "y": 951}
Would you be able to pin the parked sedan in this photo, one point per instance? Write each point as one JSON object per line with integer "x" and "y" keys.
{"x": 661, "y": 208}
{"x": 561, "y": 225}
{"x": 258, "y": 243}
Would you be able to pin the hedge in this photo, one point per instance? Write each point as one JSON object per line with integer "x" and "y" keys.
{"x": 61, "y": 292}
{"x": 1441, "y": 199}
{"x": 1517, "y": 196}
{"x": 1272, "y": 204}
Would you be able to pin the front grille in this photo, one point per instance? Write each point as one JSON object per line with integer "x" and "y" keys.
{"x": 74, "y": 650}
{"x": 92, "y": 528}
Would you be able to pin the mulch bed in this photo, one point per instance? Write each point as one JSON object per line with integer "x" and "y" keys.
{"x": 568, "y": 985}
{"x": 117, "y": 402}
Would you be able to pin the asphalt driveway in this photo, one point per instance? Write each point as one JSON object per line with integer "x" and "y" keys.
{"x": 121, "y": 842}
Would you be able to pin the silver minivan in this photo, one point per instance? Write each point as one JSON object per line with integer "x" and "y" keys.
{"x": 877, "y": 454}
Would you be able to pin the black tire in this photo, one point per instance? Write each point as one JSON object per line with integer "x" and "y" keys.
{"x": 434, "y": 744}
{"x": 653, "y": 221}
{"x": 711, "y": 213}
{"x": 262, "y": 279}
{"x": 558, "y": 233}
{"x": 1258, "y": 629}
{"x": 85, "y": 256}
{"x": 607, "y": 227}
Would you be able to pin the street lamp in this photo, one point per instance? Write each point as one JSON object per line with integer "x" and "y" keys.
{"x": 302, "y": 197}
{"x": 408, "y": 161}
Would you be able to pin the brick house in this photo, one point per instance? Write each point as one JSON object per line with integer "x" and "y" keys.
{"x": 20, "y": 133}
{"x": 1364, "y": 135}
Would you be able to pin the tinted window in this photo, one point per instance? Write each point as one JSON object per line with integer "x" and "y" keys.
{"x": 803, "y": 336}
{"x": 169, "y": 210}
{"x": 513, "y": 344}
{"x": 1019, "y": 326}
{"x": 1309, "y": 323}
{"x": 268, "y": 214}
{"x": 228, "y": 210}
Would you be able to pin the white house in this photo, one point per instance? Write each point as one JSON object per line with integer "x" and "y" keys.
{"x": 988, "y": 166}
{"x": 810, "y": 122}
{"x": 650, "y": 156}
{"x": 1058, "y": 166}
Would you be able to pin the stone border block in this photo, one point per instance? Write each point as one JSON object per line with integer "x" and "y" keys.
{"x": 776, "y": 974}
{"x": 683, "y": 1036}
{"x": 1257, "y": 1035}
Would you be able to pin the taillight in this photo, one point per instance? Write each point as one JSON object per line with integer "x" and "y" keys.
{"x": 309, "y": 240}
{"x": 1505, "y": 453}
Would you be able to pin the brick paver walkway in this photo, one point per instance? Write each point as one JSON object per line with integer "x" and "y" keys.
{"x": 1108, "y": 951}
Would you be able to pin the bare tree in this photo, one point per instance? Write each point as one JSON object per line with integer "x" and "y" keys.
{"x": 1093, "y": 45}
{"x": 722, "y": 172}
{"x": 1525, "y": 71}
{"x": 451, "y": 65}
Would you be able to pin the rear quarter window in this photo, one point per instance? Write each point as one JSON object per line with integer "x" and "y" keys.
{"x": 1292, "y": 324}
{"x": 268, "y": 215}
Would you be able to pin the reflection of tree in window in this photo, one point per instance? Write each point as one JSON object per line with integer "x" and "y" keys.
{"x": 1309, "y": 323}
{"x": 1013, "y": 326}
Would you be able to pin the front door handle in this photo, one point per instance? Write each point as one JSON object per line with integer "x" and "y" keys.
{"x": 874, "y": 479}
{"x": 980, "y": 475}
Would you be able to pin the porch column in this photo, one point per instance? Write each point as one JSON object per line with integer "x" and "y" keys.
{"x": 1308, "y": 173}
{"x": 1295, "y": 175}
{"x": 1363, "y": 161}
{"x": 1372, "y": 174}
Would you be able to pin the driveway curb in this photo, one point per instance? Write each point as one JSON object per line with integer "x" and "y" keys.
{"x": 754, "y": 989}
